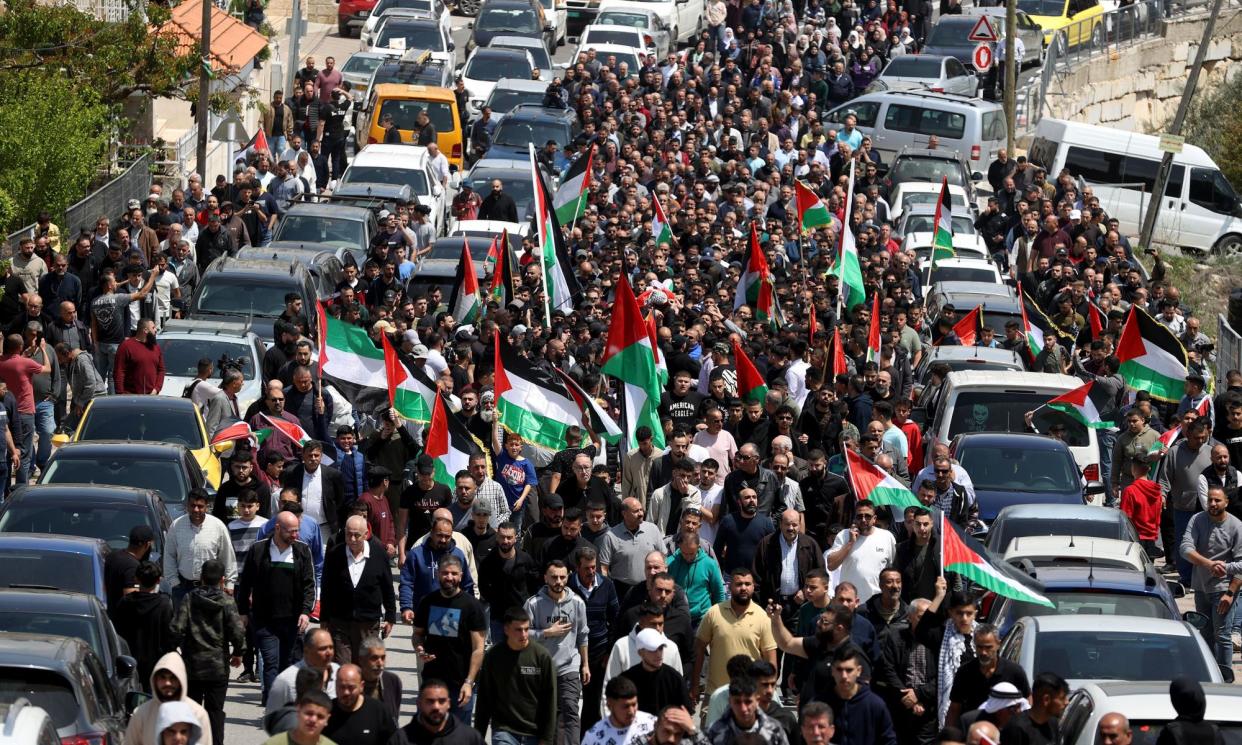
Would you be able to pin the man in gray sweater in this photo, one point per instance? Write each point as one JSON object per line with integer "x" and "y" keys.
{"x": 1213, "y": 545}
{"x": 558, "y": 619}
{"x": 1179, "y": 482}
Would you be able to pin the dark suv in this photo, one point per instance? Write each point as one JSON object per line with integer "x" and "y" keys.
{"x": 537, "y": 124}
{"x": 510, "y": 18}
{"x": 245, "y": 289}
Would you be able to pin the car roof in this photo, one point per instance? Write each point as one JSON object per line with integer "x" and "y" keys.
{"x": 910, "y": 187}
{"x": 615, "y": 26}
{"x": 942, "y": 100}
{"x": 328, "y": 209}
{"x": 1012, "y": 379}
{"x": 121, "y": 403}
{"x": 966, "y": 262}
{"x": 111, "y": 448}
{"x": 378, "y": 154}
{"x": 40, "y": 650}
{"x": 500, "y": 164}
{"x": 986, "y": 354}
{"x": 284, "y": 254}
{"x": 81, "y": 493}
{"x": 255, "y": 267}
{"x": 506, "y": 4}
{"x": 239, "y": 331}
{"x": 536, "y": 112}
{"x": 960, "y": 288}
{"x": 489, "y": 51}
{"x": 610, "y": 48}
{"x": 62, "y": 602}
{"x": 522, "y": 84}
{"x": 55, "y": 543}
{"x": 1136, "y": 624}
{"x": 417, "y": 92}
{"x": 1024, "y": 440}
{"x": 515, "y": 40}
{"x": 1060, "y": 512}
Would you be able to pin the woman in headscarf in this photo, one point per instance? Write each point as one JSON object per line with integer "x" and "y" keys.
{"x": 832, "y": 32}
{"x": 1189, "y": 728}
{"x": 731, "y": 49}
{"x": 864, "y": 70}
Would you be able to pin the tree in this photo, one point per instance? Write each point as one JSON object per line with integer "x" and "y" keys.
{"x": 53, "y": 136}
{"x": 1215, "y": 124}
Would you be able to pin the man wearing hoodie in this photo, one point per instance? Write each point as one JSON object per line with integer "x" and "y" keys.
{"x": 1041, "y": 724}
{"x": 177, "y": 725}
{"x": 558, "y": 619}
{"x": 517, "y": 688}
{"x": 168, "y": 683}
{"x": 1189, "y": 728}
{"x": 432, "y": 725}
{"x": 143, "y": 619}
{"x": 861, "y": 714}
{"x": 212, "y": 638}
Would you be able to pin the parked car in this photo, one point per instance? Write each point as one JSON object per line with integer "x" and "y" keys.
{"x": 684, "y": 19}
{"x": 439, "y": 268}
{"x": 232, "y": 345}
{"x": 1018, "y": 468}
{"x": 1078, "y": 22}
{"x": 1000, "y": 302}
{"x": 901, "y": 119}
{"x": 486, "y": 67}
{"x": 618, "y": 54}
{"x": 253, "y": 291}
{"x": 509, "y": 93}
{"x": 515, "y": 17}
{"x": 403, "y": 165}
{"x": 53, "y": 562}
{"x": 86, "y": 510}
{"x": 916, "y": 193}
{"x": 162, "y": 467}
{"x": 1016, "y": 521}
{"x": 351, "y": 15}
{"x": 960, "y": 269}
{"x": 965, "y": 358}
{"x": 414, "y": 67}
{"x": 1148, "y": 708}
{"x": 435, "y": 8}
{"x": 513, "y": 173}
{"x": 64, "y": 677}
{"x": 921, "y": 218}
{"x": 402, "y": 28}
{"x": 526, "y": 124}
{"x": 919, "y": 165}
{"x": 324, "y": 262}
{"x": 627, "y": 36}
{"x": 931, "y": 72}
{"x": 338, "y": 225}
{"x": 644, "y": 19}
{"x": 533, "y": 45}
{"x": 1038, "y": 551}
{"x": 965, "y": 245}
{"x": 357, "y": 71}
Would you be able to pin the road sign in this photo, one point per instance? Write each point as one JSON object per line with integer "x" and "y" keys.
{"x": 981, "y": 58}
{"x": 231, "y": 129}
{"x": 1171, "y": 143}
{"x": 983, "y": 31}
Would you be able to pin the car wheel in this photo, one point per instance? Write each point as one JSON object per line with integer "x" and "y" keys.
{"x": 468, "y": 7}
{"x": 1097, "y": 36}
{"x": 342, "y": 28}
{"x": 1228, "y": 247}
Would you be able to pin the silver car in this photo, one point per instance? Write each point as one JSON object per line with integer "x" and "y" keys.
{"x": 647, "y": 21}
{"x": 939, "y": 74}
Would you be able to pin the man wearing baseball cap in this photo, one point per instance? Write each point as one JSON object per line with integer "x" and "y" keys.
{"x": 658, "y": 684}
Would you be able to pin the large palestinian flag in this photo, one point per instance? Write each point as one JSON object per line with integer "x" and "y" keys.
{"x": 559, "y": 281}
{"x": 410, "y": 391}
{"x": 600, "y": 421}
{"x": 942, "y": 238}
{"x": 1152, "y": 359}
{"x": 812, "y": 212}
{"x": 1038, "y": 328}
{"x": 571, "y": 196}
{"x": 968, "y": 327}
{"x": 530, "y": 401}
{"x": 449, "y": 444}
{"x": 464, "y": 303}
{"x": 351, "y": 362}
{"x": 1084, "y": 403}
{"x": 755, "y": 287}
{"x": 967, "y": 557}
{"x": 873, "y": 331}
{"x": 630, "y": 359}
{"x": 750, "y": 384}
{"x": 869, "y": 481}
{"x": 848, "y": 268}
{"x": 661, "y": 228}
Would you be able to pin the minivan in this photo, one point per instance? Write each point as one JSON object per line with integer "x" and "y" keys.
{"x": 901, "y": 119}
{"x": 1200, "y": 210}
{"x": 404, "y": 102}
{"x": 992, "y": 401}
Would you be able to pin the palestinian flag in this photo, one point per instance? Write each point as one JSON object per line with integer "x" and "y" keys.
{"x": 967, "y": 557}
{"x": 449, "y": 444}
{"x": 942, "y": 238}
{"x": 501, "y": 289}
{"x": 410, "y": 391}
{"x": 289, "y": 429}
{"x": 1152, "y": 359}
{"x": 235, "y": 431}
{"x": 464, "y": 303}
{"x": 848, "y": 269}
{"x": 873, "y": 333}
{"x": 560, "y": 283}
{"x": 600, "y": 421}
{"x": 869, "y": 481}
{"x": 967, "y": 329}
{"x": 812, "y": 213}
{"x": 1084, "y": 403}
{"x": 1095, "y": 321}
{"x": 1165, "y": 440}
{"x": 812, "y": 328}
{"x": 661, "y": 229}
{"x": 755, "y": 287}
{"x": 493, "y": 252}
{"x": 1038, "y": 329}
{"x": 629, "y": 358}
{"x": 750, "y": 384}
{"x": 350, "y": 361}
{"x": 835, "y": 363}
{"x": 530, "y": 401}
{"x": 571, "y": 197}
{"x": 653, "y": 336}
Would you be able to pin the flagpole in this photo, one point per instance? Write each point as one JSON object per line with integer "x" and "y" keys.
{"x": 943, "y": 521}
{"x": 543, "y": 237}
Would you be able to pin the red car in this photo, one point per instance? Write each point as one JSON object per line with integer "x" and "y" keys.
{"x": 352, "y": 14}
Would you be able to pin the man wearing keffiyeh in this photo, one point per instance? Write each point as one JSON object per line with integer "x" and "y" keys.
{"x": 948, "y": 634}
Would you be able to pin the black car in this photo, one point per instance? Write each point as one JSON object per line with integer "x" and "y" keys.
{"x": 169, "y": 469}
{"x": 104, "y": 512}
{"x": 439, "y": 268}
{"x": 510, "y": 18}
{"x": 253, "y": 289}
{"x": 76, "y": 615}
{"x": 65, "y": 678}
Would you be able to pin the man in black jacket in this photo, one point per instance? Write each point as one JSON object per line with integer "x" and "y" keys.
{"x": 321, "y": 487}
{"x": 770, "y": 582}
{"x": 276, "y": 593}
{"x": 433, "y": 725}
{"x": 507, "y": 577}
{"x": 377, "y": 681}
{"x": 213, "y": 242}
{"x": 355, "y": 609}
{"x": 906, "y": 678}
{"x": 498, "y": 205}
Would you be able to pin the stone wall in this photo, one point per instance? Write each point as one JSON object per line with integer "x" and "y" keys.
{"x": 1138, "y": 88}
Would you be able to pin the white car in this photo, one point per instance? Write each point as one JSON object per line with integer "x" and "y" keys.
{"x": 683, "y": 18}
{"x": 907, "y": 193}
{"x": 184, "y": 343}
{"x": 486, "y": 66}
{"x": 511, "y": 92}
{"x": 401, "y": 29}
{"x": 918, "y": 72}
{"x": 403, "y": 164}
{"x": 644, "y": 19}
{"x": 959, "y": 270}
{"x": 631, "y": 56}
{"x": 435, "y": 8}
{"x": 488, "y": 228}
{"x": 556, "y": 13}
{"x": 1148, "y": 708}
{"x": 597, "y": 34}
{"x": 965, "y": 245}
{"x": 538, "y": 52}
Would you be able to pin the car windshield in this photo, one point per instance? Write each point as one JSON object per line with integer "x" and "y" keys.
{"x": 35, "y": 567}
{"x": 404, "y": 36}
{"x": 181, "y": 356}
{"x": 950, "y": 33}
{"x": 629, "y": 58}
{"x": 613, "y": 36}
{"x": 415, "y": 178}
{"x": 162, "y": 425}
{"x": 1147, "y": 732}
{"x": 1092, "y": 603}
{"x": 109, "y": 522}
{"x": 43, "y": 688}
{"x": 945, "y": 273}
{"x": 451, "y": 250}
{"x": 909, "y": 199}
{"x": 913, "y": 66}
{"x": 334, "y": 231}
{"x": 521, "y": 132}
{"x": 492, "y": 67}
{"x": 361, "y": 65}
{"x": 53, "y": 624}
{"x": 1004, "y": 411}
{"x": 1009, "y": 528}
{"x": 165, "y": 476}
{"x": 924, "y": 224}
{"x": 517, "y": 20}
{"x": 1042, "y": 7}
{"x": 931, "y": 171}
{"x": 228, "y": 295}
{"x": 405, "y": 111}
{"x": 615, "y": 18}
{"x": 503, "y": 101}
{"x": 1016, "y": 469}
{"x": 1120, "y": 655}
{"x": 519, "y": 187}
{"x": 384, "y": 6}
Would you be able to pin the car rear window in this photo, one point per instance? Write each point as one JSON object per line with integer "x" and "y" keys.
{"x": 1020, "y": 527}
{"x": 404, "y": 112}
{"x": 111, "y": 522}
{"x": 52, "y": 624}
{"x": 20, "y": 567}
{"x": 1016, "y": 469}
{"x": 1004, "y": 411}
{"x": 177, "y": 427}
{"x": 43, "y": 688}
{"x": 1094, "y": 604}
{"x": 1120, "y": 655}
{"x": 164, "y": 476}
{"x": 912, "y": 66}
{"x": 925, "y": 121}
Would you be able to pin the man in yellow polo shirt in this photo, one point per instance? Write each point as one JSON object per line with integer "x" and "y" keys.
{"x": 735, "y": 626}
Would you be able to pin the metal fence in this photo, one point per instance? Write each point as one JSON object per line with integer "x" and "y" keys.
{"x": 1228, "y": 348}
{"x": 109, "y": 199}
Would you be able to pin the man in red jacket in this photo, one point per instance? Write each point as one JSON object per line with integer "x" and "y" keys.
{"x": 140, "y": 362}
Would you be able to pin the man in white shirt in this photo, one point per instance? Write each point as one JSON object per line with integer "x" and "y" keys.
{"x": 438, "y": 163}
{"x": 625, "y": 724}
{"x": 166, "y": 289}
{"x": 862, "y": 551}
{"x": 191, "y": 540}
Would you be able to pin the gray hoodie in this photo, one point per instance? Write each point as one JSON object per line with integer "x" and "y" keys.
{"x": 178, "y": 712}
{"x": 544, "y": 611}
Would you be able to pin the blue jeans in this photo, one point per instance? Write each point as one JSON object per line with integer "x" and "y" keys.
{"x": 279, "y": 144}
{"x": 502, "y": 737}
{"x": 1107, "y": 438}
{"x": 1219, "y": 626}
{"x": 45, "y": 427}
{"x": 1181, "y": 518}
{"x": 26, "y": 445}
{"x": 105, "y": 360}
{"x": 464, "y": 714}
{"x": 275, "y": 643}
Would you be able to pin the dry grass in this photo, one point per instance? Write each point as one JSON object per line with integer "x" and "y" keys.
{"x": 1205, "y": 284}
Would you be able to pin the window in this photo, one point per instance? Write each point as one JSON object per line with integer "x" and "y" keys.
{"x": 1211, "y": 190}
{"x": 1120, "y": 655}
{"x": 404, "y": 112}
{"x": 1043, "y": 152}
{"x": 947, "y": 124}
{"x": 955, "y": 68}
{"x": 46, "y": 689}
{"x": 994, "y": 126}
{"x": 1004, "y": 411}
{"x": 865, "y": 111}
{"x": 1097, "y": 167}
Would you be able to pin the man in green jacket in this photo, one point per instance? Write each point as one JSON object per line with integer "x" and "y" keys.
{"x": 516, "y": 692}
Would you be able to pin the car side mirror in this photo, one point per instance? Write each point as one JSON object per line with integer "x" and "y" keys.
{"x": 452, "y": 46}
{"x": 135, "y": 699}
{"x": 125, "y": 666}
{"x": 976, "y": 176}
{"x": 1195, "y": 619}
{"x": 1176, "y": 589}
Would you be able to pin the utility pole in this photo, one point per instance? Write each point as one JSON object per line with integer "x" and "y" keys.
{"x": 295, "y": 38}
{"x": 1011, "y": 74}
{"x": 1179, "y": 119}
{"x": 203, "y": 112}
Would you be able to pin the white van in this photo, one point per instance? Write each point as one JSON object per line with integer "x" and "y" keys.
{"x": 1200, "y": 211}
{"x": 896, "y": 120}
{"x": 997, "y": 401}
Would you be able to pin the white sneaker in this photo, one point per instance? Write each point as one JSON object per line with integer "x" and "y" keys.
{"x": 1236, "y": 636}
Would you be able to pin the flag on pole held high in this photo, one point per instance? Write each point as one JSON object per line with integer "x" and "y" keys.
{"x": 530, "y": 401}
{"x": 449, "y": 444}
{"x": 756, "y": 287}
{"x": 599, "y": 420}
{"x": 963, "y": 555}
{"x": 351, "y": 362}
{"x": 560, "y": 281}
{"x": 751, "y": 386}
{"x": 873, "y": 332}
{"x": 1152, "y": 359}
{"x": 410, "y": 391}
{"x": 630, "y": 359}
{"x": 501, "y": 289}
{"x": 464, "y": 303}
{"x": 848, "y": 267}
{"x": 661, "y": 230}
{"x": 873, "y": 483}
{"x": 572, "y": 195}
{"x": 968, "y": 327}
{"x": 812, "y": 212}
{"x": 1084, "y": 404}
{"x": 942, "y": 238}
